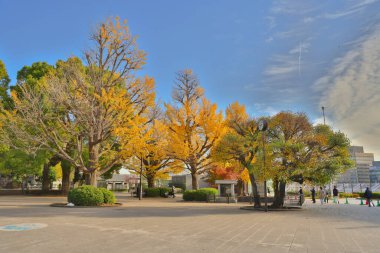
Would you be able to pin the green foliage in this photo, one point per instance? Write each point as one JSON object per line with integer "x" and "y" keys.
{"x": 189, "y": 195}
{"x": 4, "y": 78}
{"x": 349, "y": 195}
{"x": 108, "y": 174}
{"x": 5, "y": 99}
{"x": 18, "y": 164}
{"x": 199, "y": 195}
{"x": 152, "y": 192}
{"x": 86, "y": 195}
{"x": 157, "y": 192}
{"x": 109, "y": 197}
{"x": 33, "y": 73}
{"x": 375, "y": 195}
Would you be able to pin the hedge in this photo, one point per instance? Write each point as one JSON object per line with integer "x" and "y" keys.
{"x": 199, "y": 195}
{"x": 157, "y": 192}
{"x": 349, "y": 195}
{"x": 86, "y": 195}
{"x": 375, "y": 195}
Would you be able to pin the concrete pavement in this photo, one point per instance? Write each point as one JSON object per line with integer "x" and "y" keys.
{"x": 167, "y": 225}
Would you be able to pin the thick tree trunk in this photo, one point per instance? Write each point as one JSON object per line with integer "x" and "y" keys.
{"x": 66, "y": 169}
{"x": 150, "y": 179}
{"x": 91, "y": 178}
{"x": 240, "y": 187}
{"x": 194, "y": 181}
{"x": 279, "y": 193}
{"x": 46, "y": 178}
{"x": 255, "y": 192}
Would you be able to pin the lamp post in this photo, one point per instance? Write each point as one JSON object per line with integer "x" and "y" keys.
{"x": 323, "y": 112}
{"x": 140, "y": 183}
{"x": 263, "y": 126}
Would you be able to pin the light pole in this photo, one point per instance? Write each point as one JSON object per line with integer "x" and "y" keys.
{"x": 263, "y": 126}
{"x": 323, "y": 113}
{"x": 332, "y": 177}
{"x": 140, "y": 184}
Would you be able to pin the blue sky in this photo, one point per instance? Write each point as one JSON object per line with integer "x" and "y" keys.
{"x": 269, "y": 55}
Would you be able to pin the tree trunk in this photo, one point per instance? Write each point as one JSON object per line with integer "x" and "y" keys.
{"x": 46, "y": 178}
{"x": 194, "y": 181}
{"x": 91, "y": 178}
{"x": 240, "y": 188}
{"x": 256, "y": 196}
{"x": 66, "y": 169}
{"x": 150, "y": 179}
{"x": 279, "y": 193}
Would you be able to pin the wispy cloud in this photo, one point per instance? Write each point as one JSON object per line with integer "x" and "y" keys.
{"x": 352, "y": 8}
{"x": 351, "y": 92}
{"x": 283, "y": 65}
{"x": 298, "y": 7}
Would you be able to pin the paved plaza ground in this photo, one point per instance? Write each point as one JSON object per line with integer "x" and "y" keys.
{"x": 167, "y": 225}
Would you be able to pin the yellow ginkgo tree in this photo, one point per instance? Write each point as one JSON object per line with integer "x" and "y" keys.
{"x": 194, "y": 125}
{"x": 241, "y": 144}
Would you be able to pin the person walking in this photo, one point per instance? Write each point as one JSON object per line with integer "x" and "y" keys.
{"x": 326, "y": 195}
{"x": 173, "y": 191}
{"x": 321, "y": 195}
{"x": 368, "y": 196}
{"x": 336, "y": 195}
{"x": 313, "y": 195}
{"x": 301, "y": 196}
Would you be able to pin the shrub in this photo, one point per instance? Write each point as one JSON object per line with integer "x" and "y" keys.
{"x": 86, "y": 195}
{"x": 164, "y": 191}
{"x": 156, "y": 192}
{"x": 189, "y": 195}
{"x": 152, "y": 192}
{"x": 375, "y": 195}
{"x": 199, "y": 195}
{"x": 109, "y": 197}
{"x": 349, "y": 195}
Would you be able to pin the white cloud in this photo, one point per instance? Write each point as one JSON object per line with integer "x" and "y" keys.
{"x": 351, "y": 92}
{"x": 287, "y": 64}
{"x": 350, "y": 10}
{"x": 298, "y": 7}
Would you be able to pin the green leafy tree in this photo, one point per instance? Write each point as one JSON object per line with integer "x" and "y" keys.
{"x": 6, "y": 100}
{"x": 30, "y": 76}
{"x": 303, "y": 152}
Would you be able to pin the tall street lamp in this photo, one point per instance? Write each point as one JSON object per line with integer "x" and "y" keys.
{"x": 263, "y": 126}
{"x": 140, "y": 183}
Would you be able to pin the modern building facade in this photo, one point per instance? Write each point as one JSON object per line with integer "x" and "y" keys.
{"x": 374, "y": 173}
{"x": 360, "y": 174}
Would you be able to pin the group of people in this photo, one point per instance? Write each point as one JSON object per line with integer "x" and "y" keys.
{"x": 324, "y": 195}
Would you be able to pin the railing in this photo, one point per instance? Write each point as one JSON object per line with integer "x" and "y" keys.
{"x": 213, "y": 198}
